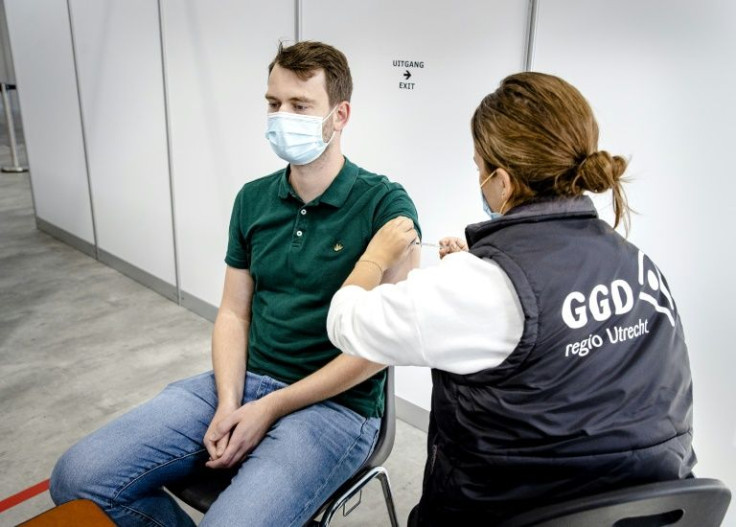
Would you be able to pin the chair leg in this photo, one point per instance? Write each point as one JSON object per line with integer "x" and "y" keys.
{"x": 386, "y": 486}
{"x": 382, "y": 475}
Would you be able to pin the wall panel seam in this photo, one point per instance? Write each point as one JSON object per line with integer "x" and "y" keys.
{"x": 298, "y": 20}
{"x": 530, "y": 35}
{"x": 84, "y": 133}
{"x": 169, "y": 153}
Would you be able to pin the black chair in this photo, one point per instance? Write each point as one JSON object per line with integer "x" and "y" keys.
{"x": 201, "y": 489}
{"x": 692, "y": 502}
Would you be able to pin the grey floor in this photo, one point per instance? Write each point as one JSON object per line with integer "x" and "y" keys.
{"x": 81, "y": 344}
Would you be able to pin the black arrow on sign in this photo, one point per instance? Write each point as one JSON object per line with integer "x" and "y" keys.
{"x": 407, "y": 74}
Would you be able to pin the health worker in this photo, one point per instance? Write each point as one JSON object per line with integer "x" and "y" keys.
{"x": 559, "y": 365}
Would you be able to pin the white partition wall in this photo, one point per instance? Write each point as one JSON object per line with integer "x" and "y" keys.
{"x": 420, "y": 69}
{"x": 217, "y": 54}
{"x": 120, "y": 81}
{"x": 660, "y": 76}
{"x": 47, "y": 90}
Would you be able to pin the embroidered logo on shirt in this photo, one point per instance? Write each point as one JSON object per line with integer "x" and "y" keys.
{"x": 338, "y": 247}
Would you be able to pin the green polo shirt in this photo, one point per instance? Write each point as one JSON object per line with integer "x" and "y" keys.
{"x": 300, "y": 254}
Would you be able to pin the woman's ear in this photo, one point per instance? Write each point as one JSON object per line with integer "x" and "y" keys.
{"x": 507, "y": 185}
{"x": 507, "y": 189}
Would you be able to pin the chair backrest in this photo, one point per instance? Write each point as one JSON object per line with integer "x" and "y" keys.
{"x": 387, "y": 434}
{"x": 692, "y": 502}
{"x": 381, "y": 451}
{"x": 200, "y": 489}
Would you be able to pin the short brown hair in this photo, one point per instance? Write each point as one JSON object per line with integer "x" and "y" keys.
{"x": 305, "y": 58}
{"x": 542, "y": 131}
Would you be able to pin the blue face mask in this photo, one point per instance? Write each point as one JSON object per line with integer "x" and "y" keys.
{"x": 295, "y": 138}
{"x": 487, "y": 208}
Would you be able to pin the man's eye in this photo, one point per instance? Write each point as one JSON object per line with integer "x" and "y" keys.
{"x": 273, "y": 106}
{"x": 300, "y": 107}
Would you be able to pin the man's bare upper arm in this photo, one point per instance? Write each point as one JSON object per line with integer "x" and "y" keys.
{"x": 237, "y": 293}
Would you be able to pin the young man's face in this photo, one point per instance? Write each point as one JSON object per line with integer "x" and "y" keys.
{"x": 288, "y": 93}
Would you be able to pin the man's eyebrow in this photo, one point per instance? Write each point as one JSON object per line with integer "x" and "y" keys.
{"x": 292, "y": 99}
{"x": 301, "y": 99}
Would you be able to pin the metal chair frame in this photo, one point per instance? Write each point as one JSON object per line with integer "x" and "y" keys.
{"x": 335, "y": 502}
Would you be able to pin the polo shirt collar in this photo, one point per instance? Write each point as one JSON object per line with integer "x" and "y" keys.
{"x": 284, "y": 187}
{"x": 336, "y": 194}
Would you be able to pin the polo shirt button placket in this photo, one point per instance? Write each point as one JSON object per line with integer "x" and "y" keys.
{"x": 300, "y": 225}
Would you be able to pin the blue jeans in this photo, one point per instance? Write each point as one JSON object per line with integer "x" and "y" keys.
{"x": 302, "y": 460}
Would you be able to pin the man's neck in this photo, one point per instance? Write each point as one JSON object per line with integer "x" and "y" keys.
{"x": 310, "y": 181}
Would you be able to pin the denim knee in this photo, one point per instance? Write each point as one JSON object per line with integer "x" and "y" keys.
{"x": 69, "y": 479}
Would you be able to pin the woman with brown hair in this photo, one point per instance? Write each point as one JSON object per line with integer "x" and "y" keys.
{"x": 559, "y": 364}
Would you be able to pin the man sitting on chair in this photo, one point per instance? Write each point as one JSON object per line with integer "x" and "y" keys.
{"x": 283, "y": 404}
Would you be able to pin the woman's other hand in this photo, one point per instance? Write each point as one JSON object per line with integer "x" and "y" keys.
{"x": 451, "y": 245}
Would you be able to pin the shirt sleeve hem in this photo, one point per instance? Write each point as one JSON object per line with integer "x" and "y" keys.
{"x": 237, "y": 264}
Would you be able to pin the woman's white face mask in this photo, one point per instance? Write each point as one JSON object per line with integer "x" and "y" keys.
{"x": 295, "y": 138}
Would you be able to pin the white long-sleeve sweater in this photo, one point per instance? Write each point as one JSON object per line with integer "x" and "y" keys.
{"x": 461, "y": 316}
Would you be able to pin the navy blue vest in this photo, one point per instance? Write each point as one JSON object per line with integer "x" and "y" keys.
{"x": 597, "y": 395}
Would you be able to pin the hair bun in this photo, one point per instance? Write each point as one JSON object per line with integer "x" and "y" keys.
{"x": 600, "y": 171}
